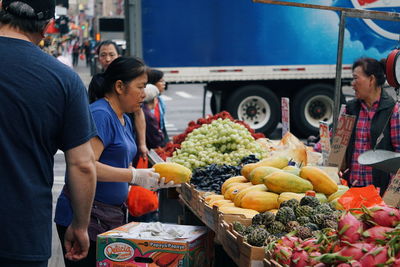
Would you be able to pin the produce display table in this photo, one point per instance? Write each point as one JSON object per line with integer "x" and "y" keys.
{"x": 194, "y": 211}
{"x": 233, "y": 244}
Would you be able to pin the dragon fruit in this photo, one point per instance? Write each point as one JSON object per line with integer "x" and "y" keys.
{"x": 289, "y": 241}
{"x": 378, "y": 255}
{"x": 383, "y": 215}
{"x": 300, "y": 258}
{"x": 376, "y": 233}
{"x": 350, "y": 264}
{"x": 333, "y": 258}
{"x": 310, "y": 244}
{"x": 313, "y": 255}
{"x": 350, "y": 228}
{"x": 356, "y": 250}
{"x": 282, "y": 254}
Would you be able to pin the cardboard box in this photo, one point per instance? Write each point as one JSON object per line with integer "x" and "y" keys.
{"x": 130, "y": 245}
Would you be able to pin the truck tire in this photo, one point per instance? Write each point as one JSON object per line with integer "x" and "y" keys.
{"x": 256, "y": 105}
{"x": 314, "y": 103}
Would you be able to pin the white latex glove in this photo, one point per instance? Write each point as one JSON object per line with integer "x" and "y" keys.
{"x": 162, "y": 184}
{"x": 146, "y": 178}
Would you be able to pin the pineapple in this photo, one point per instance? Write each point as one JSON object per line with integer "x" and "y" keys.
{"x": 285, "y": 215}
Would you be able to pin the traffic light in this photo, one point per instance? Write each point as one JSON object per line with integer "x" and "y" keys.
{"x": 83, "y": 27}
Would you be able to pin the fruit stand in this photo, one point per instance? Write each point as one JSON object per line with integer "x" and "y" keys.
{"x": 270, "y": 203}
{"x": 273, "y": 205}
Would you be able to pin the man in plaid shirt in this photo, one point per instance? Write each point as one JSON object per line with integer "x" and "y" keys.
{"x": 373, "y": 107}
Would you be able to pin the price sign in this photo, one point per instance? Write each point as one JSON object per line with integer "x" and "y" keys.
{"x": 285, "y": 115}
{"x": 392, "y": 193}
{"x": 341, "y": 140}
{"x": 325, "y": 141}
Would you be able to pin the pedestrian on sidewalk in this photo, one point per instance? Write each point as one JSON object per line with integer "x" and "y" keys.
{"x": 156, "y": 77}
{"x": 87, "y": 50}
{"x": 154, "y": 135}
{"x": 122, "y": 92}
{"x": 76, "y": 49}
{"x": 107, "y": 52}
{"x": 44, "y": 108}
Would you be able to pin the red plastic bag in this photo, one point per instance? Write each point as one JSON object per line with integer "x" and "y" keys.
{"x": 141, "y": 200}
{"x": 357, "y": 197}
{"x": 143, "y": 163}
{"x": 82, "y": 56}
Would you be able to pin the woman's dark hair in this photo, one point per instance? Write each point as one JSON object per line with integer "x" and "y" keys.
{"x": 20, "y": 15}
{"x": 154, "y": 76}
{"x": 125, "y": 69}
{"x": 371, "y": 66}
{"x": 108, "y": 42}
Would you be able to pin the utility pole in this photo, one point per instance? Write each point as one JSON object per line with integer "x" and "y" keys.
{"x": 133, "y": 25}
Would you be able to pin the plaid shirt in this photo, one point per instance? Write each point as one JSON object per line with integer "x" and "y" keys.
{"x": 361, "y": 175}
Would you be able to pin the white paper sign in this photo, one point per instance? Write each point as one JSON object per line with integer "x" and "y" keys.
{"x": 325, "y": 141}
{"x": 285, "y": 115}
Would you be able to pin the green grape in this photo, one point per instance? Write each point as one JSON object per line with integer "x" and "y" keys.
{"x": 221, "y": 142}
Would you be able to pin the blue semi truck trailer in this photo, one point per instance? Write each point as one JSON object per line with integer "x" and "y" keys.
{"x": 249, "y": 55}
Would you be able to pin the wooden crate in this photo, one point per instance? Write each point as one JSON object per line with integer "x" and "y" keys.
{"x": 241, "y": 252}
{"x": 210, "y": 215}
{"x": 269, "y": 262}
{"x": 229, "y": 242}
{"x": 250, "y": 255}
{"x": 191, "y": 197}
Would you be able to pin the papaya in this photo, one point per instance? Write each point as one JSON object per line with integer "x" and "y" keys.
{"x": 343, "y": 187}
{"x": 173, "y": 172}
{"x": 238, "y": 198}
{"x": 235, "y": 179}
{"x": 210, "y": 198}
{"x": 337, "y": 194}
{"x": 257, "y": 175}
{"x": 260, "y": 201}
{"x": 321, "y": 197}
{"x": 292, "y": 169}
{"x": 320, "y": 180}
{"x": 248, "y": 213}
{"x": 289, "y": 195}
{"x": 235, "y": 188}
{"x": 222, "y": 202}
{"x": 279, "y": 182}
{"x": 246, "y": 169}
{"x": 335, "y": 203}
{"x": 275, "y": 161}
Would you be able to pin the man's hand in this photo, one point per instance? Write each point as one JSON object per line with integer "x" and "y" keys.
{"x": 76, "y": 243}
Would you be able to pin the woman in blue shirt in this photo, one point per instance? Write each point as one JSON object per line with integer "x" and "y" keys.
{"x": 114, "y": 147}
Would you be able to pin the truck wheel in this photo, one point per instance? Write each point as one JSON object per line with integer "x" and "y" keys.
{"x": 314, "y": 103}
{"x": 256, "y": 105}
